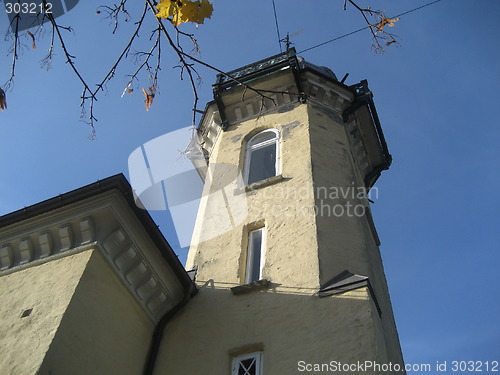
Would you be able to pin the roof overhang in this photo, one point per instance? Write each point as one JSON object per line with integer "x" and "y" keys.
{"x": 102, "y": 216}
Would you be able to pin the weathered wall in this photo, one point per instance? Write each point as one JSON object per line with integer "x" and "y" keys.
{"x": 285, "y": 208}
{"x": 104, "y": 331}
{"x": 344, "y": 237}
{"x": 25, "y": 341}
{"x": 288, "y": 324}
{"x": 303, "y": 250}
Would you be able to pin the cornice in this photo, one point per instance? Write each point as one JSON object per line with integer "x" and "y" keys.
{"x": 106, "y": 224}
{"x": 243, "y": 105}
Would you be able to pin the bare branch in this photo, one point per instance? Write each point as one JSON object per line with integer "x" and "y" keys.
{"x": 184, "y": 65}
{"x": 196, "y": 47}
{"x": 113, "y": 13}
{"x": 15, "y": 56}
{"x": 87, "y": 92}
{"x": 364, "y": 12}
{"x": 46, "y": 62}
{"x": 125, "y": 51}
{"x": 153, "y": 73}
{"x": 182, "y": 59}
{"x": 69, "y": 57}
{"x": 187, "y": 62}
{"x": 377, "y": 27}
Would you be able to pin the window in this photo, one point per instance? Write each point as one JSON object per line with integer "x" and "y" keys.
{"x": 262, "y": 156}
{"x": 255, "y": 256}
{"x": 248, "y": 364}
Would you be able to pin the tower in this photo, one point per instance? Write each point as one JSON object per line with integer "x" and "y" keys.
{"x": 288, "y": 266}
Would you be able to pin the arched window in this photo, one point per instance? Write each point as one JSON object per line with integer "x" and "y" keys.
{"x": 262, "y": 156}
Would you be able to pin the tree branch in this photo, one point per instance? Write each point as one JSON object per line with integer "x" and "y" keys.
{"x": 125, "y": 51}
{"x": 189, "y": 68}
{"x": 15, "y": 56}
{"x": 376, "y": 28}
{"x": 153, "y": 73}
{"x": 187, "y": 62}
{"x": 113, "y": 13}
{"x": 47, "y": 60}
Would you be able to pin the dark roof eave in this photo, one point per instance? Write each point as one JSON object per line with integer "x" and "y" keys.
{"x": 120, "y": 183}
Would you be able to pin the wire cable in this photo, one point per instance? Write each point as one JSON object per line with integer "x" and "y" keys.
{"x": 366, "y": 27}
{"x": 277, "y": 27}
{"x": 414, "y": 9}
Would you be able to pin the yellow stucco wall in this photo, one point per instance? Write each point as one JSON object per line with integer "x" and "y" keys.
{"x": 104, "y": 331}
{"x": 289, "y": 326}
{"x": 346, "y": 241}
{"x": 25, "y": 341}
{"x": 302, "y": 251}
{"x": 284, "y": 208}
{"x": 84, "y": 321}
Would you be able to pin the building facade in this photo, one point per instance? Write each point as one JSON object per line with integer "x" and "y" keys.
{"x": 296, "y": 279}
{"x": 285, "y": 255}
{"x": 85, "y": 280}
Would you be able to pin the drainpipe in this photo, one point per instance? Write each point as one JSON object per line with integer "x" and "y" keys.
{"x": 160, "y": 328}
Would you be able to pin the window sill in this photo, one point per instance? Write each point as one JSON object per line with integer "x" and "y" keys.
{"x": 261, "y": 184}
{"x": 253, "y": 286}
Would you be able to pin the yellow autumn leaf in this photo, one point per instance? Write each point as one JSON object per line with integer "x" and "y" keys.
{"x": 184, "y": 11}
{"x": 166, "y": 8}
{"x": 187, "y": 12}
{"x": 202, "y": 11}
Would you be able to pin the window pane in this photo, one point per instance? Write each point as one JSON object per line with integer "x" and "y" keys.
{"x": 262, "y": 163}
{"x": 247, "y": 367}
{"x": 262, "y": 137}
{"x": 248, "y": 364}
{"x": 253, "y": 272}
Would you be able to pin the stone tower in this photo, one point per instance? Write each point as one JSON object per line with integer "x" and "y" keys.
{"x": 288, "y": 266}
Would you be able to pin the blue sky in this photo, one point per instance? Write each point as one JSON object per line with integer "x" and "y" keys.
{"x": 436, "y": 95}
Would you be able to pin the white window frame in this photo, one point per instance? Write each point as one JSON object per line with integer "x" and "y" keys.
{"x": 252, "y": 147}
{"x": 258, "y": 363}
{"x": 250, "y": 254}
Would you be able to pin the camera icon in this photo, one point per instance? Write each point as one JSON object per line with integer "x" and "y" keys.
{"x": 165, "y": 178}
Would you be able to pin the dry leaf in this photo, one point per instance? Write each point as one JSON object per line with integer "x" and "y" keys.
{"x": 127, "y": 90}
{"x": 149, "y": 95}
{"x": 385, "y": 22}
{"x": 3, "y": 100}
{"x": 33, "y": 44}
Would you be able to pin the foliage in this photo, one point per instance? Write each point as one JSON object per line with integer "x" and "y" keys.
{"x": 169, "y": 15}
{"x": 178, "y": 11}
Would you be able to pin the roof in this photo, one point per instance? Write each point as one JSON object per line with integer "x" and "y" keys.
{"x": 119, "y": 183}
{"x": 270, "y": 65}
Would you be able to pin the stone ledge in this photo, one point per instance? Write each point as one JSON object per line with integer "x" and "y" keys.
{"x": 253, "y": 286}
{"x": 260, "y": 184}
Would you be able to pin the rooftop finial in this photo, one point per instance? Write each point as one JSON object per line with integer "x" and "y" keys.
{"x": 286, "y": 39}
